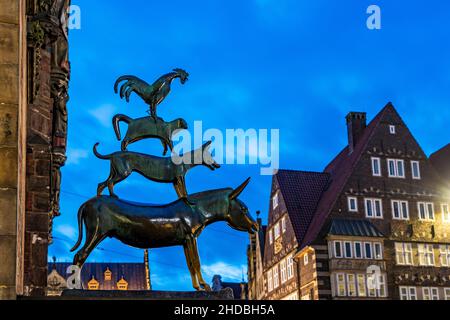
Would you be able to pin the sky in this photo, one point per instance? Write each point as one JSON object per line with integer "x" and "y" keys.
{"x": 297, "y": 66}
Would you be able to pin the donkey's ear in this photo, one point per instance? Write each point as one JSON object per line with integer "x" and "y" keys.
{"x": 236, "y": 192}
{"x": 207, "y": 145}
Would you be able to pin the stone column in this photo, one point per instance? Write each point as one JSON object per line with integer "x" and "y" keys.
{"x": 12, "y": 163}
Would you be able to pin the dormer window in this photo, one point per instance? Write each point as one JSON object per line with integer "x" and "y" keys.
{"x": 352, "y": 204}
{"x": 275, "y": 201}
{"x": 108, "y": 275}
{"x": 122, "y": 284}
{"x": 392, "y": 129}
{"x": 93, "y": 284}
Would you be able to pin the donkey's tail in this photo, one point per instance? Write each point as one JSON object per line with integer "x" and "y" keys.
{"x": 116, "y": 120}
{"x": 98, "y": 155}
{"x": 80, "y": 229}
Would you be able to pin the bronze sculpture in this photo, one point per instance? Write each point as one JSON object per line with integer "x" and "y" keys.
{"x": 155, "y": 226}
{"x": 165, "y": 170}
{"x": 143, "y": 128}
{"x": 154, "y": 94}
{"x": 176, "y": 224}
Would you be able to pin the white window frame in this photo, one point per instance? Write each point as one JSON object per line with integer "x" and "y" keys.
{"x": 351, "y": 284}
{"x": 445, "y": 210}
{"x": 401, "y": 209}
{"x": 276, "y": 278}
{"x": 447, "y": 293}
{"x": 411, "y": 293}
{"x": 382, "y": 290}
{"x": 418, "y": 176}
{"x": 269, "y": 280}
{"x": 270, "y": 237}
{"x": 376, "y": 165}
{"x": 362, "y": 284}
{"x": 396, "y": 166}
{"x": 341, "y": 282}
{"x": 275, "y": 201}
{"x": 371, "y": 251}
{"x": 429, "y": 216}
{"x": 380, "y": 246}
{"x": 392, "y": 129}
{"x": 341, "y": 249}
{"x": 404, "y": 254}
{"x": 290, "y": 267}
{"x": 276, "y": 231}
{"x": 283, "y": 224}
{"x": 305, "y": 259}
{"x": 349, "y": 202}
{"x": 444, "y": 255}
{"x": 426, "y": 254}
{"x": 434, "y": 293}
{"x": 375, "y": 214}
{"x": 349, "y": 243}
{"x": 361, "y": 250}
{"x": 283, "y": 271}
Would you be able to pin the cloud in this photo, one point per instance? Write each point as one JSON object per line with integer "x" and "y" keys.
{"x": 227, "y": 271}
{"x": 75, "y": 155}
{"x": 67, "y": 230}
{"x": 104, "y": 114}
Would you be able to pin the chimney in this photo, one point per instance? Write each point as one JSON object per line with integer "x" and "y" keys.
{"x": 356, "y": 123}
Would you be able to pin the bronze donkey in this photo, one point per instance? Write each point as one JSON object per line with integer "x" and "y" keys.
{"x": 175, "y": 224}
{"x": 164, "y": 170}
{"x": 143, "y": 128}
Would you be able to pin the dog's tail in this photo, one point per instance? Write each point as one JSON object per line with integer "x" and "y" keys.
{"x": 80, "y": 228}
{"x": 116, "y": 120}
{"x": 98, "y": 155}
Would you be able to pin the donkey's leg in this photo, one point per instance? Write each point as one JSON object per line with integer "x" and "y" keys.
{"x": 198, "y": 268}
{"x": 189, "y": 260}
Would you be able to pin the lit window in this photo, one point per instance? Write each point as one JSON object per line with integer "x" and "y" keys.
{"x": 396, "y": 168}
{"x": 426, "y": 293}
{"x": 403, "y": 253}
{"x": 358, "y": 250}
{"x": 444, "y": 255}
{"x": 270, "y": 237}
{"x": 447, "y": 293}
{"x": 269, "y": 280}
{"x": 108, "y": 275}
{"x": 415, "y": 169}
{"x": 445, "y": 212}
{"x": 352, "y": 204}
{"x": 361, "y": 285}
{"x": 276, "y": 280}
{"x": 93, "y": 284}
{"x": 348, "y": 249}
{"x": 400, "y": 210}
{"x": 122, "y": 284}
{"x": 378, "y": 250}
{"x": 382, "y": 292}
{"x": 426, "y": 210}
{"x": 408, "y": 293}
{"x": 276, "y": 230}
{"x": 305, "y": 259}
{"x": 283, "y": 271}
{"x": 275, "y": 201}
{"x": 374, "y": 208}
{"x": 337, "y": 249}
{"x": 351, "y": 285}
{"x": 392, "y": 129}
{"x": 368, "y": 250}
{"x": 376, "y": 167}
{"x": 290, "y": 267}
{"x": 283, "y": 224}
{"x": 341, "y": 289}
{"x": 426, "y": 254}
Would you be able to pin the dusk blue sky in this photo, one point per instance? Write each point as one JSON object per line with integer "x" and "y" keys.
{"x": 298, "y": 66}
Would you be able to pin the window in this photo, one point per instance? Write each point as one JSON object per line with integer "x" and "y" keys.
{"x": 358, "y": 250}
{"x": 434, "y": 293}
{"x": 108, "y": 274}
{"x": 351, "y": 285}
{"x": 290, "y": 267}
{"x": 445, "y": 212}
{"x": 276, "y": 279}
{"x": 415, "y": 169}
{"x": 283, "y": 224}
{"x": 275, "y": 201}
{"x": 305, "y": 259}
{"x": 447, "y": 293}
{"x": 426, "y": 254}
{"x": 122, "y": 284}
{"x": 269, "y": 280}
{"x": 374, "y": 208}
{"x": 338, "y": 249}
{"x": 400, "y": 210}
{"x": 396, "y": 168}
{"x": 270, "y": 237}
{"x": 430, "y": 293}
{"x": 376, "y": 167}
{"x": 403, "y": 253}
{"x": 426, "y": 210}
{"x": 340, "y": 281}
{"x": 93, "y": 284}
{"x": 408, "y": 293}
{"x": 377, "y": 248}
{"x": 352, "y": 204}
{"x": 276, "y": 230}
{"x": 348, "y": 249}
{"x": 283, "y": 271}
{"x": 368, "y": 250}
{"x": 444, "y": 255}
{"x": 381, "y": 291}
{"x": 361, "y": 285}
{"x": 392, "y": 129}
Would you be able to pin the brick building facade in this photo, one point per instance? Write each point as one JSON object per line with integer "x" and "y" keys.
{"x": 375, "y": 224}
{"x": 34, "y": 76}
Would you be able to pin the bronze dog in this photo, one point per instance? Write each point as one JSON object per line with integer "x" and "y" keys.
{"x": 143, "y": 128}
{"x": 124, "y": 163}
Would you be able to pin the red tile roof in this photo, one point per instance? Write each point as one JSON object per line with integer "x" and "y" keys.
{"x": 301, "y": 192}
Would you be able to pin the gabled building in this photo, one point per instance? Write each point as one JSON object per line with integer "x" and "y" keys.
{"x": 375, "y": 224}
{"x": 255, "y": 256}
